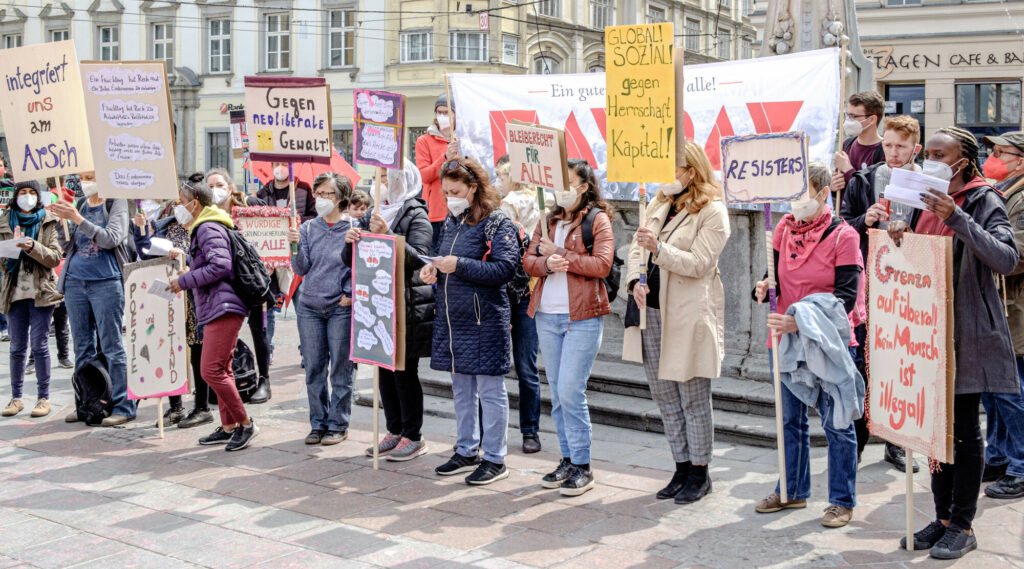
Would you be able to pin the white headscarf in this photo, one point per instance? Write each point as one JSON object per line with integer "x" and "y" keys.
{"x": 402, "y": 185}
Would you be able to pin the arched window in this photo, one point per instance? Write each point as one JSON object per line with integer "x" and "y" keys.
{"x": 546, "y": 65}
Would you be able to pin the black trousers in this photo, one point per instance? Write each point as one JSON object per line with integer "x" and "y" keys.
{"x": 955, "y": 486}
{"x": 402, "y": 398}
{"x": 260, "y": 342}
{"x": 61, "y": 330}
{"x": 202, "y": 390}
{"x": 861, "y": 425}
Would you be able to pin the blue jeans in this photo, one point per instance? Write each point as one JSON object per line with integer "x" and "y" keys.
{"x": 97, "y": 308}
{"x": 484, "y": 396}
{"x": 569, "y": 351}
{"x": 26, "y": 319}
{"x": 842, "y": 450}
{"x": 3, "y": 322}
{"x": 324, "y": 333}
{"x": 524, "y": 355}
{"x": 1005, "y": 434}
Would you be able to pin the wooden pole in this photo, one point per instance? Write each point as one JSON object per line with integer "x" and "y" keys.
{"x": 842, "y": 113}
{"x": 160, "y": 416}
{"x": 376, "y": 417}
{"x": 910, "y": 498}
{"x": 543, "y": 212}
{"x": 451, "y": 106}
{"x": 377, "y": 190}
{"x": 60, "y": 196}
{"x": 776, "y": 378}
{"x": 646, "y": 254}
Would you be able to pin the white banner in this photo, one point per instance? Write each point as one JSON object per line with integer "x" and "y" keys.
{"x": 774, "y": 94}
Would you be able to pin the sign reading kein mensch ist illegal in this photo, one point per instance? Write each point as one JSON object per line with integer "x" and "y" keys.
{"x": 288, "y": 119}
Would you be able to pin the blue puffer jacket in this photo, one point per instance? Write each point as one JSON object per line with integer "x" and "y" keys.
{"x": 472, "y": 326}
{"x": 211, "y": 268}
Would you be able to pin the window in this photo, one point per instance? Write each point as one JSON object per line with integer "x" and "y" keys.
{"x": 545, "y": 65}
{"x": 724, "y": 43}
{"x": 552, "y": 8}
{"x": 218, "y": 150}
{"x": 596, "y": 66}
{"x": 110, "y": 43}
{"x": 600, "y": 14}
{"x": 163, "y": 43}
{"x": 692, "y": 34}
{"x": 748, "y": 48}
{"x": 279, "y": 43}
{"x": 342, "y": 140}
{"x": 748, "y": 7}
{"x": 12, "y": 40}
{"x": 467, "y": 46}
{"x": 413, "y": 134}
{"x": 509, "y": 50}
{"x": 341, "y": 52}
{"x": 898, "y": 3}
{"x": 416, "y": 46}
{"x": 220, "y": 46}
{"x": 656, "y": 14}
{"x": 988, "y": 104}
{"x": 60, "y": 35}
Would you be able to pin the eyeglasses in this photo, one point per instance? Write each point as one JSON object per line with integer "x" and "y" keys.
{"x": 1000, "y": 153}
{"x": 856, "y": 117}
{"x": 451, "y": 165}
{"x": 327, "y": 195}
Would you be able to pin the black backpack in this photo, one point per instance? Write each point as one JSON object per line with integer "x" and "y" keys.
{"x": 93, "y": 399}
{"x": 243, "y": 366}
{"x": 252, "y": 280}
{"x": 611, "y": 282}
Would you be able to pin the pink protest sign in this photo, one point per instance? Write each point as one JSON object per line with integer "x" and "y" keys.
{"x": 379, "y": 118}
{"x": 378, "y": 301}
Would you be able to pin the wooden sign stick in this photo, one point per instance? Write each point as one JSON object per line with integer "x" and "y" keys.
{"x": 291, "y": 199}
{"x": 160, "y": 416}
{"x": 776, "y": 378}
{"x": 910, "y": 499}
{"x": 376, "y": 417}
{"x": 60, "y": 196}
{"x": 543, "y": 213}
{"x": 451, "y": 107}
{"x": 646, "y": 254}
{"x": 377, "y": 190}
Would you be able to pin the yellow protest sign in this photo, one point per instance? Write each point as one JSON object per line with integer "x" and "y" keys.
{"x": 640, "y": 106}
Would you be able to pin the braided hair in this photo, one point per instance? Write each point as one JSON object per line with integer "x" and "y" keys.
{"x": 969, "y": 148}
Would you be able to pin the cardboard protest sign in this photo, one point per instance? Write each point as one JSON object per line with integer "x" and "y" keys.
{"x": 379, "y": 119}
{"x": 42, "y": 106}
{"x": 266, "y": 227}
{"x": 238, "y": 138}
{"x": 128, "y": 108}
{"x": 288, "y": 119}
{"x": 764, "y": 168}
{"x": 537, "y": 156}
{"x": 641, "y": 103}
{"x": 155, "y": 321}
{"x": 910, "y": 342}
{"x": 378, "y": 301}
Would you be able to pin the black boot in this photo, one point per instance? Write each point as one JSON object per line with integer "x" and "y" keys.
{"x": 262, "y": 393}
{"x": 678, "y": 481}
{"x": 698, "y": 485}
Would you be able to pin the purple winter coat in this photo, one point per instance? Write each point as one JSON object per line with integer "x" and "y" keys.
{"x": 210, "y": 273}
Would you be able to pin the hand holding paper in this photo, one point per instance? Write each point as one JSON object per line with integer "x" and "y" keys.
{"x": 906, "y": 187}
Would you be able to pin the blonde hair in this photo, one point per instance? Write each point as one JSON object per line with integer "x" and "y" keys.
{"x": 703, "y": 187}
{"x": 504, "y": 167}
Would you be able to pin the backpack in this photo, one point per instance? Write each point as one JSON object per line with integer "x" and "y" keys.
{"x": 611, "y": 282}
{"x": 518, "y": 287}
{"x": 243, "y": 366}
{"x": 93, "y": 399}
{"x": 251, "y": 279}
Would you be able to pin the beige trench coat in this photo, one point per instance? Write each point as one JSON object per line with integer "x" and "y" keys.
{"x": 692, "y": 299}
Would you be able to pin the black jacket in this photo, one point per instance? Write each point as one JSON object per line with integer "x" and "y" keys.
{"x": 305, "y": 204}
{"x": 860, "y": 194}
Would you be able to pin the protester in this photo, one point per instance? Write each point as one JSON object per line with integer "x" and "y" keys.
{"x": 402, "y": 213}
{"x": 432, "y": 150}
{"x": 480, "y": 253}
{"x": 863, "y": 147}
{"x": 6, "y": 196}
{"x": 28, "y": 292}
{"x": 358, "y": 204}
{"x": 686, "y": 229}
{"x": 92, "y": 287}
{"x": 219, "y": 310}
{"x": 818, "y": 266}
{"x": 973, "y": 214}
{"x": 325, "y": 311}
{"x": 59, "y": 325}
{"x": 862, "y": 210}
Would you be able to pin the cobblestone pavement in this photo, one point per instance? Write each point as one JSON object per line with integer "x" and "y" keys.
{"x": 72, "y": 496}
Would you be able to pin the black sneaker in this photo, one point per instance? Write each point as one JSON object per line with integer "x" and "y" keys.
{"x": 486, "y": 473}
{"x": 993, "y": 472}
{"x": 195, "y": 418}
{"x": 217, "y": 437}
{"x": 555, "y": 479}
{"x": 458, "y": 464}
{"x": 1006, "y": 488}
{"x": 315, "y": 436}
{"x": 172, "y": 416}
{"x": 242, "y": 436}
{"x": 65, "y": 362}
{"x": 897, "y": 457}
{"x": 531, "y": 444}
{"x": 580, "y": 480}
{"x": 333, "y": 437}
{"x": 954, "y": 544}
{"x": 926, "y": 538}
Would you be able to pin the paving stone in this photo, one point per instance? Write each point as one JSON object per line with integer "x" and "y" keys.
{"x": 462, "y": 532}
{"x": 134, "y": 557}
{"x": 605, "y": 557}
{"x": 314, "y": 470}
{"x": 71, "y": 550}
{"x": 274, "y": 523}
{"x": 14, "y": 538}
{"x": 340, "y": 540}
{"x": 406, "y": 554}
{"x": 555, "y": 517}
{"x": 236, "y": 552}
{"x": 538, "y": 549}
{"x": 334, "y": 505}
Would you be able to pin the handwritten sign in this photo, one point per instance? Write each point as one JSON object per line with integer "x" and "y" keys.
{"x": 537, "y": 156}
{"x": 288, "y": 119}
{"x": 238, "y": 138}
{"x": 156, "y": 332}
{"x": 42, "y": 106}
{"x": 764, "y": 168}
{"x": 378, "y": 301}
{"x": 640, "y": 103}
{"x": 266, "y": 227}
{"x": 127, "y": 105}
{"x": 379, "y": 117}
{"x": 910, "y": 342}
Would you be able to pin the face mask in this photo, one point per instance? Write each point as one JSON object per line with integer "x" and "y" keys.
{"x": 281, "y": 173}
{"x": 566, "y": 199}
{"x": 672, "y": 189}
{"x": 324, "y": 206}
{"x": 852, "y": 127}
{"x": 805, "y": 208}
{"x": 443, "y": 121}
{"x": 937, "y": 169}
{"x": 219, "y": 195}
{"x": 151, "y": 209}
{"x": 995, "y": 168}
{"x": 457, "y": 205}
{"x": 27, "y": 201}
{"x": 182, "y": 214}
{"x": 90, "y": 189}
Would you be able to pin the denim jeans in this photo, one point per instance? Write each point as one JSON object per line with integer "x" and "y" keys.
{"x": 483, "y": 396}
{"x": 569, "y": 350}
{"x": 3, "y": 322}
{"x": 524, "y": 356}
{"x": 97, "y": 308}
{"x": 26, "y": 319}
{"x": 1005, "y": 433}
{"x": 324, "y": 333}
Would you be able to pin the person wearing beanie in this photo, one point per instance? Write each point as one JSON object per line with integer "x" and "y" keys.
{"x": 433, "y": 149}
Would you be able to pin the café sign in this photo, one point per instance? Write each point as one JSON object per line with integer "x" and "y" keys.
{"x": 889, "y": 59}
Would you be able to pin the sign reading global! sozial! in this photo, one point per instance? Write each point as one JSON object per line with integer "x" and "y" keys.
{"x": 764, "y": 168}
{"x": 379, "y": 121}
{"x": 537, "y": 156}
{"x": 288, "y": 119}
{"x": 641, "y": 103}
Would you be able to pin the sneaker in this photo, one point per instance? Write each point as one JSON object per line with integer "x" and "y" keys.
{"x": 579, "y": 481}
{"x": 531, "y": 444}
{"x": 926, "y": 538}
{"x": 42, "y": 408}
{"x": 487, "y": 473}
{"x": 897, "y": 457}
{"x": 555, "y": 478}
{"x": 218, "y": 437}
{"x": 407, "y": 449}
{"x": 13, "y": 408}
{"x": 1006, "y": 488}
{"x": 4, "y": 336}
{"x": 993, "y": 472}
{"x": 71, "y": 417}
{"x": 195, "y": 418}
{"x": 172, "y": 416}
{"x": 386, "y": 445}
{"x": 458, "y": 464}
{"x": 116, "y": 420}
{"x": 773, "y": 503}
{"x": 315, "y": 436}
{"x": 242, "y": 436}
{"x": 65, "y": 362}
{"x": 333, "y": 437}
{"x": 836, "y": 516}
{"x": 955, "y": 543}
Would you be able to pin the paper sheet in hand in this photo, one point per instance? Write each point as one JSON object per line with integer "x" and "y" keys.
{"x": 906, "y": 187}
{"x": 429, "y": 260}
{"x": 9, "y": 248}
{"x": 159, "y": 247}
{"x": 162, "y": 289}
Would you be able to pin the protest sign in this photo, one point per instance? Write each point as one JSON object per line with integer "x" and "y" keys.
{"x": 288, "y": 119}
{"x": 42, "y": 106}
{"x": 266, "y": 227}
{"x": 640, "y": 103}
{"x": 378, "y": 301}
{"x": 910, "y": 342}
{"x": 379, "y": 119}
{"x": 127, "y": 105}
{"x": 238, "y": 138}
{"x": 537, "y": 156}
{"x": 764, "y": 168}
{"x": 155, "y": 326}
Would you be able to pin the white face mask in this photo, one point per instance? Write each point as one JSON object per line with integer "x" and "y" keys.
{"x": 457, "y": 205}
{"x": 219, "y": 195}
{"x": 672, "y": 189}
{"x": 182, "y": 214}
{"x": 443, "y": 121}
{"x": 805, "y": 208}
{"x": 324, "y": 206}
{"x": 90, "y": 189}
{"x": 852, "y": 127}
{"x": 27, "y": 201}
{"x": 281, "y": 173}
{"x": 937, "y": 169}
{"x": 566, "y": 199}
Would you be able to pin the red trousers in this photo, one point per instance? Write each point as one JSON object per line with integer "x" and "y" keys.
{"x": 219, "y": 339}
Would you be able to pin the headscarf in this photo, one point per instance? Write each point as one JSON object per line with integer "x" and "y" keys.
{"x": 29, "y": 222}
{"x": 403, "y": 185}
